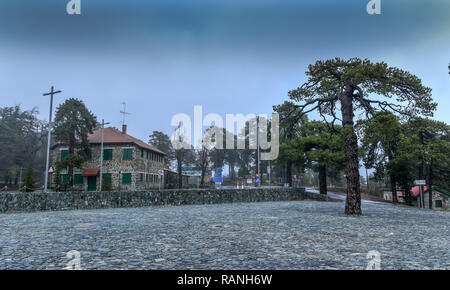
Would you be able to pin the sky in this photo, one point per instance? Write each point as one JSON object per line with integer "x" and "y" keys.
{"x": 162, "y": 57}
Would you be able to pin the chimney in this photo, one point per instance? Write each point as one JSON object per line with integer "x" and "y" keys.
{"x": 124, "y": 129}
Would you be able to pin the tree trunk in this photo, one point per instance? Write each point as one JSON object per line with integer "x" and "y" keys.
{"x": 394, "y": 189}
{"x": 231, "y": 170}
{"x": 70, "y": 169}
{"x": 430, "y": 186}
{"x": 323, "y": 179}
{"x": 202, "y": 181}
{"x": 408, "y": 198}
{"x": 289, "y": 172}
{"x": 180, "y": 176}
{"x": 393, "y": 184}
{"x": 353, "y": 200}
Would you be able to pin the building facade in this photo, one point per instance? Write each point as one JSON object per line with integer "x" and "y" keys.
{"x": 128, "y": 163}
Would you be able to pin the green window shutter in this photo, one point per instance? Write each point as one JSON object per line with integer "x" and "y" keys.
{"x": 89, "y": 156}
{"x": 127, "y": 154}
{"x": 107, "y": 154}
{"x": 106, "y": 178}
{"x": 126, "y": 178}
{"x": 142, "y": 153}
{"x": 141, "y": 177}
{"x": 64, "y": 154}
{"x": 64, "y": 178}
{"x": 77, "y": 179}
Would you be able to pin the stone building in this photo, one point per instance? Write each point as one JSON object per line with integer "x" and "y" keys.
{"x": 440, "y": 198}
{"x": 128, "y": 163}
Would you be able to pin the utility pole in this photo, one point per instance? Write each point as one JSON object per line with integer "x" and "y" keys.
{"x": 257, "y": 154}
{"x": 51, "y": 93}
{"x": 101, "y": 153}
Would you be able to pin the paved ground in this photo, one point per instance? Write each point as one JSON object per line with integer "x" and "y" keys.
{"x": 271, "y": 235}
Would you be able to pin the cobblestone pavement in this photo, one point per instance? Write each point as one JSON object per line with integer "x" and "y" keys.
{"x": 270, "y": 235}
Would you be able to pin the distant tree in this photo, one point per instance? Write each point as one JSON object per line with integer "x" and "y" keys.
{"x": 324, "y": 147}
{"x": 379, "y": 139}
{"x": 402, "y": 167}
{"x": 290, "y": 129}
{"x": 73, "y": 122}
{"x": 432, "y": 150}
{"x": 202, "y": 160}
{"x": 28, "y": 180}
{"x": 22, "y": 139}
{"x": 351, "y": 85}
{"x": 161, "y": 141}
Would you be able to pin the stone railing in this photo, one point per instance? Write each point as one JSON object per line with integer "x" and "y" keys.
{"x": 38, "y": 201}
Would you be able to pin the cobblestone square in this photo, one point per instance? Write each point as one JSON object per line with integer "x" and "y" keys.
{"x": 266, "y": 235}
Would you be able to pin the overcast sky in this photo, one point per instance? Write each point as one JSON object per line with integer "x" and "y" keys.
{"x": 162, "y": 57}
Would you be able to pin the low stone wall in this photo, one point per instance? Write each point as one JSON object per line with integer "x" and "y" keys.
{"x": 34, "y": 201}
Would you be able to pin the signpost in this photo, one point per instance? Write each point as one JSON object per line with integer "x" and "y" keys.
{"x": 420, "y": 183}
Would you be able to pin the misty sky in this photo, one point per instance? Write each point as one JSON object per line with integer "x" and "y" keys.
{"x": 232, "y": 56}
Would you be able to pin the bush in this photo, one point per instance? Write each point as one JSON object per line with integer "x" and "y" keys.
{"x": 28, "y": 180}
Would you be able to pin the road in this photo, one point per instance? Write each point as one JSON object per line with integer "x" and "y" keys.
{"x": 342, "y": 197}
{"x": 310, "y": 189}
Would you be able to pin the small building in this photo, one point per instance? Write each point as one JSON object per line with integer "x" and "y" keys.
{"x": 440, "y": 198}
{"x": 128, "y": 163}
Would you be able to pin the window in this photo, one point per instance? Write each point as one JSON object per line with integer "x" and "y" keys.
{"x": 64, "y": 178}
{"x": 77, "y": 179}
{"x": 126, "y": 178}
{"x": 64, "y": 153}
{"x": 127, "y": 154}
{"x": 89, "y": 155}
{"x": 141, "y": 177}
{"x": 147, "y": 155}
{"x": 106, "y": 178}
{"x": 107, "y": 154}
{"x": 142, "y": 153}
{"x": 438, "y": 203}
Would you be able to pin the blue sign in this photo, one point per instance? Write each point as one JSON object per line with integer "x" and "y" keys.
{"x": 218, "y": 172}
{"x": 257, "y": 180}
{"x": 218, "y": 179}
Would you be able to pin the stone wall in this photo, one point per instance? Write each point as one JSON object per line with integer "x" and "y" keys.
{"x": 30, "y": 202}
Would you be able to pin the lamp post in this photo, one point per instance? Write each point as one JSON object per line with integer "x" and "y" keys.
{"x": 101, "y": 154}
{"x": 47, "y": 161}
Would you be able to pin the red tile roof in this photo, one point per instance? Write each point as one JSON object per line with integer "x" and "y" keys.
{"x": 90, "y": 172}
{"x": 113, "y": 135}
{"x": 415, "y": 191}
